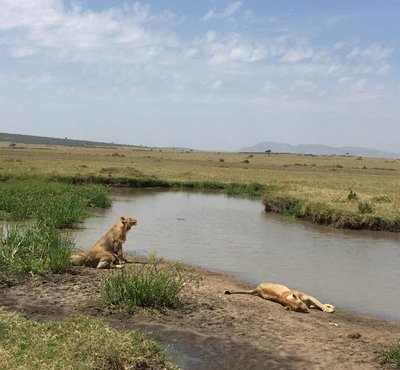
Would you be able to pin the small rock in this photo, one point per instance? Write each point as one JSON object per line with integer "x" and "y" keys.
{"x": 354, "y": 336}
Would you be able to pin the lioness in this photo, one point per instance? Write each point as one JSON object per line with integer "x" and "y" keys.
{"x": 107, "y": 251}
{"x": 291, "y": 299}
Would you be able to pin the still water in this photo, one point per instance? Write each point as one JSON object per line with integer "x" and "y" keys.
{"x": 354, "y": 270}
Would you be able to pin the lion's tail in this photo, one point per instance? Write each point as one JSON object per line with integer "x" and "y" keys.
{"x": 252, "y": 291}
{"x": 80, "y": 259}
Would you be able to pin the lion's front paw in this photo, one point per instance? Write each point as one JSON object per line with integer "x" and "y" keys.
{"x": 329, "y": 308}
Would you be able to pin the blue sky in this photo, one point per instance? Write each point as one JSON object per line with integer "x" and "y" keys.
{"x": 205, "y": 74}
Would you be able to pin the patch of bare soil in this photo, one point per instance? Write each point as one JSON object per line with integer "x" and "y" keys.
{"x": 217, "y": 331}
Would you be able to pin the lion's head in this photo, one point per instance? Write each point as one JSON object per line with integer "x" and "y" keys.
{"x": 128, "y": 222}
{"x": 294, "y": 303}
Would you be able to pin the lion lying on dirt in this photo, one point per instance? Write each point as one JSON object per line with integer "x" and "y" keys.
{"x": 107, "y": 251}
{"x": 291, "y": 299}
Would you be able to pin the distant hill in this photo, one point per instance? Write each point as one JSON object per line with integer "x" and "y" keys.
{"x": 44, "y": 140}
{"x": 31, "y": 139}
{"x": 318, "y": 149}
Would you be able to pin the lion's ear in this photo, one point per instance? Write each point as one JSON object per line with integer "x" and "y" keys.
{"x": 123, "y": 219}
{"x": 295, "y": 296}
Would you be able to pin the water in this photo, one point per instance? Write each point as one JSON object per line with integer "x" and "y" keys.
{"x": 353, "y": 270}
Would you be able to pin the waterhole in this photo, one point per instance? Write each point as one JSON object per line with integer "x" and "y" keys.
{"x": 354, "y": 270}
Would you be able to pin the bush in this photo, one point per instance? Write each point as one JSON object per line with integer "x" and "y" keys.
{"x": 36, "y": 249}
{"x": 252, "y": 189}
{"x": 352, "y": 195}
{"x": 392, "y": 355}
{"x": 365, "y": 207}
{"x": 154, "y": 285}
{"x": 222, "y": 160}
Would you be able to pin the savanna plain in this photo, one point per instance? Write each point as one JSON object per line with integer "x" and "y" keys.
{"x": 78, "y": 315}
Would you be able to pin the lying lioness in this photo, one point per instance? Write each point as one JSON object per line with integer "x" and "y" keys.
{"x": 291, "y": 299}
{"x": 107, "y": 251}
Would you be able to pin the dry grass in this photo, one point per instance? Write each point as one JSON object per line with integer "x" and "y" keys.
{"x": 322, "y": 179}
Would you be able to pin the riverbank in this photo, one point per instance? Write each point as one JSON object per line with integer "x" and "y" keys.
{"x": 341, "y": 191}
{"x": 216, "y": 331}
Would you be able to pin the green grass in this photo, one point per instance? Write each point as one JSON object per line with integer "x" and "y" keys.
{"x": 360, "y": 216}
{"x": 56, "y": 204}
{"x": 77, "y": 343}
{"x": 36, "y": 246}
{"x": 153, "y": 285}
{"x": 34, "y": 249}
{"x": 392, "y": 355}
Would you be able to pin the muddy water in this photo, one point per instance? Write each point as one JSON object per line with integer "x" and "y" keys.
{"x": 350, "y": 269}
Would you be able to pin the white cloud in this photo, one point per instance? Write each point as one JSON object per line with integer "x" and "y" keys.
{"x": 32, "y": 14}
{"x": 49, "y": 28}
{"x": 216, "y": 85}
{"x": 230, "y": 49}
{"x": 138, "y": 49}
{"x": 359, "y": 84}
{"x": 23, "y": 51}
{"x": 229, "y": 11}
{"x": 374, "y": 52}
{"x": 304, "y": 85}
{"x": 295, "y": 55}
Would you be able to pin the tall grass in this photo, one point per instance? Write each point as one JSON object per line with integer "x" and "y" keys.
{"x": 153, "y": 285}
{"x": 77, "y": 343}
{"x": 56, "y": 204}
{"x": 361, "y": 217}
{"x": 35, "y": 249}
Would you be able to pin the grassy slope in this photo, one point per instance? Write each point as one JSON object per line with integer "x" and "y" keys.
{"x": 323, "y": 181}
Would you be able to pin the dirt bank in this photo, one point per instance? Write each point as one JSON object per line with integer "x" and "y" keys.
{"x": 217, "y": 331}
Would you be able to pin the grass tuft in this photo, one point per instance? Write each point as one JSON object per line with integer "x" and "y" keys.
{"x": 153, "y": 285}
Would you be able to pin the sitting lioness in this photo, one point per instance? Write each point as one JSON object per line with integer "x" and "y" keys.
{"x": 107, "y": 251}
{"x": 290, "y": 299}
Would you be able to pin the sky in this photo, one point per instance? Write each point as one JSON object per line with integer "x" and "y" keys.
{"x": 203, "y": 74}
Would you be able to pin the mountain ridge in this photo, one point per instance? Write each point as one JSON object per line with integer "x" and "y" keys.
{"x": 317, "y": 149}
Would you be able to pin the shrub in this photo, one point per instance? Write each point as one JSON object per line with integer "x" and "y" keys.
{"x": 154, "y": 285}
{"x": 352, "y": 195}
{"x": 392, "y": 355}
{"x": 365, "y": 207}
{"x": 245, "y": 161}
{"x": 252, "y": 189}
{"x": 222, "y": 160}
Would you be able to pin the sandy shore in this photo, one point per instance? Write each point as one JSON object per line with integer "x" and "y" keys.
{"x": 217, "y": 331}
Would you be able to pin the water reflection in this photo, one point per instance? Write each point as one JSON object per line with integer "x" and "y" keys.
{"x": 346, "y": 268}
